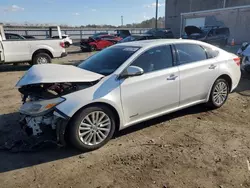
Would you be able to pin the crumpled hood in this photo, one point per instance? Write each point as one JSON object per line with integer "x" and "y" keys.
{"x": 53, "y": 73}
{"x": 192, "y": 29}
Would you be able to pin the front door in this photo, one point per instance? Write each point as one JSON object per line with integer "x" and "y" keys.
{"x": 154, "y": 92}
{"x": 212, "y": 38}
{"x": 197, "y": 73}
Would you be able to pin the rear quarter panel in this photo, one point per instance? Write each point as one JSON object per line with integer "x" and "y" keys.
{"x": 229, "y": 67}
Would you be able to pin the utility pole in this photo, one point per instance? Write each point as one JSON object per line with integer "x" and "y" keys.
{"x": 190, "y": 6}
{"x": 156, "y": 14}
{"x": 224, "y": 4}
{"x": 166, "y": 13}
{"x": 122, "y": 20}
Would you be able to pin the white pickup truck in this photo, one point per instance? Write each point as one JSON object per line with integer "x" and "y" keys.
{"x": 32, "y": 51}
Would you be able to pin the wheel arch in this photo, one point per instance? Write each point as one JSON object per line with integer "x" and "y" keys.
{"x": 224, "y": 76}
{"x": 112, "y": 108}
{"x": 42, "y": 51}
{"x": 228, "y": 79}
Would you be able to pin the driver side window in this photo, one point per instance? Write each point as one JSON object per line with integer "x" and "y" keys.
{"x": 155, "y": 59}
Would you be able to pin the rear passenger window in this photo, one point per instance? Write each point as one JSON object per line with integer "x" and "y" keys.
{"x": 211, "y": 53}
{"x": 155, "y": 59}
{"x": 189, "y": 53}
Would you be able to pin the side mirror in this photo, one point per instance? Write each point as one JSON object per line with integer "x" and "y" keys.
{"x": 132, "y": 71}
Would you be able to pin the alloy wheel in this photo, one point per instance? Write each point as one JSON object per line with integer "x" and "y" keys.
{"x": 220, "y": 93}
{"x": 42, "y": 60}
{"x": 94, "y": 128}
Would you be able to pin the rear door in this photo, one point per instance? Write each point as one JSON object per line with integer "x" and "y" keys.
{"x": 198, "y": 71}
{"x": 222, "y": 34}
{"x": 212, "y": 37}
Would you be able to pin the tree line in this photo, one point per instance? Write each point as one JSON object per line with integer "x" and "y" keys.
{"x": 150, "y": 23}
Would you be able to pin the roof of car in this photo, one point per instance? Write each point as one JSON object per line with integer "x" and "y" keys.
{"x": 106, "y": 35}
{"x": 155, "y": 42}
{"x": 142, "y": 35}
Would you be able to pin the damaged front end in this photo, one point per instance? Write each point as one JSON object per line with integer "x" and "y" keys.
{"x": 39, "y": 116}
{"x": 43, "y": 87}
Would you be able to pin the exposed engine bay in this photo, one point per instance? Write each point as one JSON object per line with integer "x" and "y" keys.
{"x": 50, "y": 90}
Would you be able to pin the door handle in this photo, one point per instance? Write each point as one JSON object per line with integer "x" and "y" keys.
{"x": 212, "y": 66}
{"x": 172, "y": 77}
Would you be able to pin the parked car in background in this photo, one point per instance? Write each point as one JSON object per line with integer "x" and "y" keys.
{"x": 150, "y": 34}
{"x": 122, "y": 86}
{"x": 29, "y": 37}
{"x": 98, "y": 43}
{"x": 137, "y": 38}
{"x": 67, "y": 40}
{"x": 161, "y": 33}
{"x": 122, "y": 33}
{"x": 211, "y": 34}
{"x": 15, "y": 48}
{"x": 12, "y": 36}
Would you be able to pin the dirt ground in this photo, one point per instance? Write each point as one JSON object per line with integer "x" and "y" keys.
{"x": 191, "y": 148}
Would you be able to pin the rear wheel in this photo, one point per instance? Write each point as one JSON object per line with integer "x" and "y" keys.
{"x": 219, "y": 93}
{"x": 92, "y": 128}
{"x": 67, "y": 44}
{"x": 41, "y": 58}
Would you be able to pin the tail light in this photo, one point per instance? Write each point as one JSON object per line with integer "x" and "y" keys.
{"x": 237, "y": 61}
{"x": 62, "y": 44}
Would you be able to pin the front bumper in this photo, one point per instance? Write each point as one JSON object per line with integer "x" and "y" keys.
{"x": 64, "y": 54}
{"x": 51, "y": 126}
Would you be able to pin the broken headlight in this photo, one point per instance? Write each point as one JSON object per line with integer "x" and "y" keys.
{"x": 40, "y": 107}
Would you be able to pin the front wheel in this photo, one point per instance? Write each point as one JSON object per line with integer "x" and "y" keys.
{"x": 219, "y": 93}
{"x": 92, "y": 128}
{"x": 41, "y": 58}
{"x": 93, "y": 48}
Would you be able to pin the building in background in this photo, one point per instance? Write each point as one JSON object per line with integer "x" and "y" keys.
{"x": 234, "y": 14}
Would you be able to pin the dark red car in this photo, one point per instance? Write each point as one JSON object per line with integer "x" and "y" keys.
{"x": 98, "y": 42}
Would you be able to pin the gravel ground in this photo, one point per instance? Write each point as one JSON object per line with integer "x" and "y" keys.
{"x": 191, "y": 148}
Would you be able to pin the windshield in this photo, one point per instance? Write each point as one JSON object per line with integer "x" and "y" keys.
{"x": 107, "y": 61}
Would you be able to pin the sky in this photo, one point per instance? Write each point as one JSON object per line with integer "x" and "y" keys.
{"x": 78, "y": 12}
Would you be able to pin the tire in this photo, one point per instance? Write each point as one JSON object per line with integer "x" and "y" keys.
{"x": 67, "y": 44}
{"x": 84, "y": 142}
{"x": 41, "y": 58}
{"x": 93, "y": 48}
{"x": 217, "y": 102}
